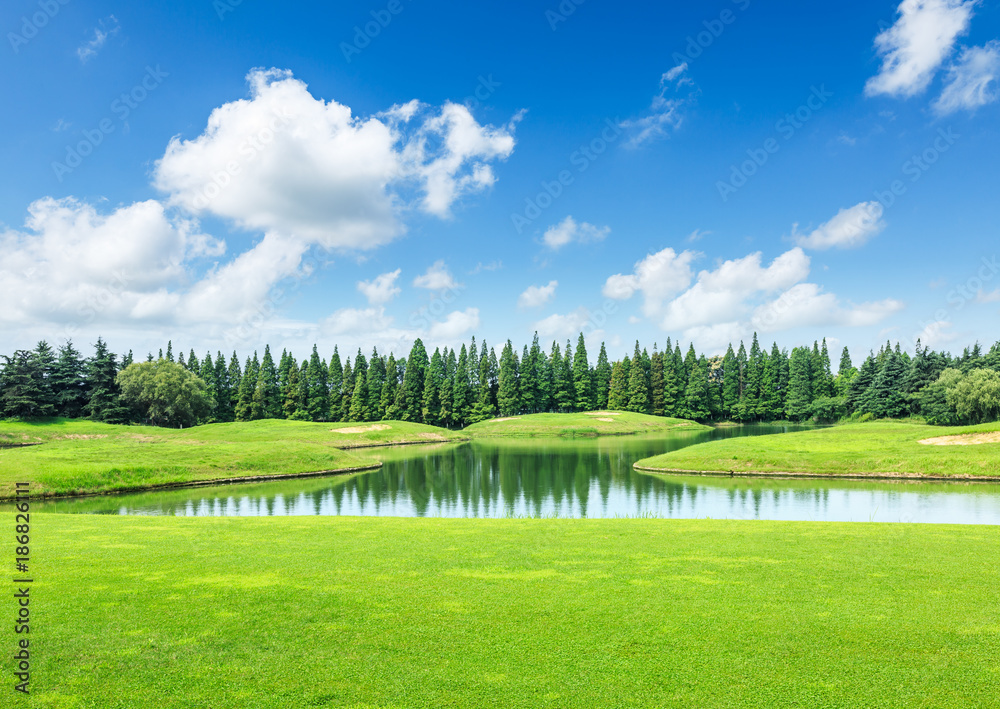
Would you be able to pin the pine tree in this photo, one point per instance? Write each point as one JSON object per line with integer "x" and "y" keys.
{"x": 528, "y": 382}
{"x": 45, "y": 361}
{"x": 543, "y": 378}
{"x": 657, "y": 385}
{"x": 462, "y": 390}
{"x": 797, "y": 406}
{"x": 319, "y": 390}
{"x": 266, "y": 402}
{"x": 290, "y": 392}
{"x": 170, "y": 351}
{"x": 390, "y": 384}
{"x": 771, "y": 405}
{"x": 583, "y": 382}
{"x": 508, "y": 396}
{"x": 302, "y": 396}
{"x": 638, "y": 394}
{"x": 347, "y": 391}
{"x": 223, "y": 389}
{"x": 335, "y": 387}
{"x": 411, "y": 393}
{"x": 845, "y": 374}
{"x": 235, "y": 376}
{"x": 885, "y": 397}
{"x": 103, "y": 402}
{"x": 68, "y": 382}
{"x": 730, "y": 384}
{"x": 562, "y": 399}
{"x": 207, "y": 374}
{"x": 750, "y": 401}
{"x": 618, "y": 388}
{"x": 21, "y": 394}
{"x": 671, "y": 388}
{"x": 248, "y": 384}
{"x": 859, "y": 386}
{"x": 446, "y": 413}
{"x": 358, "y": 409}
{"x": 602, "y": 379}
{"x": 697, "y": 404}
{"x": 374, "y": 383}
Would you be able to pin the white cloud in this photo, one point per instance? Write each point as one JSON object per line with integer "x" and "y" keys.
{"x": 568, "y": 231}
{"x": 283, "y": 161}
{"x": 849, "y": 228}
{"x": 568, "y": 325}
{"x": 716, "y": 338}
{"x": 914, "y": 47}
{"x": 658, "y": 277}
{"x": 537, "y": 296}
{"x": 937, "y": 334}
{"x": 455, "y": 325}
{"x": 356, "y": 321}
{"x": 721, "y": 294}
{"x": 991, "y": 297}
{"x": 381, "y": 289}
{"x": 104, "y": 29}
{"x": 437, "y": 278}
{"x": 805, "y": 305}
{"x": 664, "y": 114}
{"x": 972, "y": 80}
{"x": 72, "y": 263}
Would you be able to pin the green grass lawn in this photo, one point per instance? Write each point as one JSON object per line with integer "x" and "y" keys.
{"x": 876, "y": 448}
{"x": 74, "y": 456}
{"x": 593, "y": 423}
{"x": 381, "y": 612}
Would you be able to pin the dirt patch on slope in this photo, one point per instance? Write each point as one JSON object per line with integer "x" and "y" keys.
{"x": 362, "y": 429}
{"x": 969, "y": 439}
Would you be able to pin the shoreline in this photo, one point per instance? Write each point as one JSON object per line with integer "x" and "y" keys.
{"x": 817, "y": 476}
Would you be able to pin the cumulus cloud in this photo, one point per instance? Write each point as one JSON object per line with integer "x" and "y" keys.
{"x": 665, "y": 113}
{"x": 567, "y": 325}
{"x": 537, "y": 296}
{"x": 806, "y": 305}
{"x": 568, "y": 231}
{"x": 720, "y": 294}
{"x": 284, "y": 161}
{"x": 72, "y": 262}
{"x": 105, "y": 28}
{"x": 917, "y": 44}
{"x": 849, "y": 228}
{"x": 455, "y": 325}
{"x": 937, "y": 334}
{"x": 437, "y": 278}
{"x": 381, "y": 289}
{"x": 658, "y": 277}
{"x": 988, "y": 297}
{"x": 972, "y": 80}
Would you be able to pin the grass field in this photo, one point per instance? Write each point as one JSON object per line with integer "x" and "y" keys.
{"x": 375, "y": 612}
{"x": 889, "y": 448}
{"x": 593, "y": 423}
{"x": 74, "y": 456}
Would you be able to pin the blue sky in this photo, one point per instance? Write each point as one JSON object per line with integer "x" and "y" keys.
{"x": 227, "y": 174}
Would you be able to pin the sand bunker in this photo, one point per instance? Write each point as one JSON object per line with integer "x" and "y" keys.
{"x": 969, "y": 439}
{"x": 508, "y": 418}
{"x": 603, "y": 413}
{"x": 604, "y": 419}
{"x": 362, "y": 429}
{"x": 432, "y": 436}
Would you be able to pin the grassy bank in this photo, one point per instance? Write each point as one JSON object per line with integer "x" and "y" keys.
{"x": 593, "y": 423}
{"x": 878, "y": 448}
{"x": 76, "y": 456}
{"x": 215, "y": 612}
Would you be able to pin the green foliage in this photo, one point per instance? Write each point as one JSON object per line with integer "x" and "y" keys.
{"x": 828, "y": 409}
{"x": 165, "y": 393}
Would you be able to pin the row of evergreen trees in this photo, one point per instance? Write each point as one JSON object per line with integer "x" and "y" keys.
{"x": 455, "y": 388}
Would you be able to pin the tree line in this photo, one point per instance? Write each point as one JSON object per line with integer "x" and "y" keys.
{"x": 455, "y": 388}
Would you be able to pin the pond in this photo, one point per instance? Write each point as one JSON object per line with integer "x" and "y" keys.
{"x": 562, "y": 478}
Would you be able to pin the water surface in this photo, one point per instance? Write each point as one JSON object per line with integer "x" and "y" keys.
{"x": 562, "y": 478}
